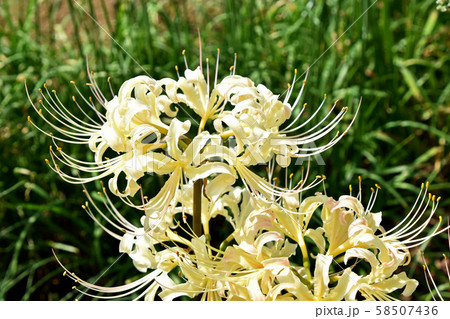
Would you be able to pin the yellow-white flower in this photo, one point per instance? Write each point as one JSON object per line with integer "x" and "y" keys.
{"x": 140, "y": 120}
{"x": 240, "y": 125}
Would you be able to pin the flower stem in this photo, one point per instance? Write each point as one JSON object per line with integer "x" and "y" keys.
{"x": 306, "y": 261}
{"x": 202, "y": 124}
{"x": 197, "y": 207}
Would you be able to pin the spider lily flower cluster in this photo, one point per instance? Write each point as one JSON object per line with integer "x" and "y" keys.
{"x": 275, "y": 250}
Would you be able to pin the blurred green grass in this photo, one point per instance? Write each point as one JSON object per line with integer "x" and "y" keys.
{"x": 396, "y": 56}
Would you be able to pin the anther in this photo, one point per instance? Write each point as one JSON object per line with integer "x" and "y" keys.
{"x": 433, "y": 198}
{"x": 231, "y": 68}
{"x": 47, "y": 162}
{"x": 54, "y": 91}
{"x": 183, "y": 52}
{"x": 73, "y": 98}
{"x": 51, "y": 149}
{"x": 218, "y": 50}
{"x": 359, "y": 178}
{"x": 324, "y": 177}
{"x": 291, "y": 175}
{"x": 29, "y": 118}
{"x": 438, "y": 199}
{"x": 428, "y": 184}
{"x": 304, "y": 105}
{"x": 45, "y": 86}
{"x": 318, "y": 176}
{"x": 99, "y": 193}
{"x": 176, "y": 67}
{"x": 40, "y": 111}
{"x": 373, "y": 191}
{"x": 350, "y": 187}
{"x": 74, "y": 287}
{"x": 59, "y": 149}
{"x": 89, "y": 84}
{"x": 65, "y": 273}
{"x": 421, "y": 186}
{"x": 377, "y": 186}
{"x": 325, "y": 96}
{"x": 72, "y": 82}
{"x": 440, "y": 219}
{"x": 109, "y": 79}
{"x": 295, "y": 71}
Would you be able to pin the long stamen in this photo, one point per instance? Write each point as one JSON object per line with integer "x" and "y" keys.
{"x": 425, "y": 266}
{"x": 185, "y": 60}
{"x": 291, "y": 88}
{"x": 217, "y": 67}
{"x": 407, "y": 218}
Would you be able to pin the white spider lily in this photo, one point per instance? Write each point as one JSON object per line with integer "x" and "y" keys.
{"x": 127, "y": 123}
{"x": 133, "y": 128}
{"x": 241, "y": 125}
{"x": 380, "y": 282}
{"x": 320, "y": 287}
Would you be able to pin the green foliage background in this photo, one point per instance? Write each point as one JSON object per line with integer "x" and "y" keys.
{"x": 396, "y": 56}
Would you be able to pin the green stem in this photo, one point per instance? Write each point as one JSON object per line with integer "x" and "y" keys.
{"x": 226, "y": 242}
{"x": 202, "y": 124}
{"x": 197, "y": 207}
{"x": 306, "y": 262}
